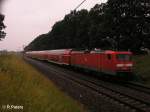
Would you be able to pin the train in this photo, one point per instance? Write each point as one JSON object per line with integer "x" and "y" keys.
{"x": 110, "y": 62}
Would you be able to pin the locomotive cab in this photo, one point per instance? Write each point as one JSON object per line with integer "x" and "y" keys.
{"x": 124, "y": 62}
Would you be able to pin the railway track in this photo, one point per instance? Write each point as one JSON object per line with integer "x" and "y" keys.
{"x": 138, "y": 87}
{"x": 116, "y": 93}
{"x": 135, "y": 100}
{"x": 131, "y": 97}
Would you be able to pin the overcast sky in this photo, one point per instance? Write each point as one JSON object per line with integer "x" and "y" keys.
{"x": 26, "y": 19}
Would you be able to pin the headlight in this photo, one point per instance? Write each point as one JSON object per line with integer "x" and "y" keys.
{"x": 119, "y": 65}
{"x": 129, "y": 65}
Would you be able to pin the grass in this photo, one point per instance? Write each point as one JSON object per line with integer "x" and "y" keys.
{"x": 22, "y": 85}
{"x": 142, "y": 67}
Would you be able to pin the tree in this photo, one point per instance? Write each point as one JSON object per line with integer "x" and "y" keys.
{"x": 129, "y": 23}
{"x": 96, "y": 31}
{"x": 2, "y": 26}
{"x": 117, "y": 24}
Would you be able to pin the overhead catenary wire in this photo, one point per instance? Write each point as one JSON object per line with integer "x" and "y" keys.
{"x": 79, "y": 5}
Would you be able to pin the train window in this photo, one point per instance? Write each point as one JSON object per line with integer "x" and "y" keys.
{"x": 123, "y": 57}
{"x": 109, "y": 56}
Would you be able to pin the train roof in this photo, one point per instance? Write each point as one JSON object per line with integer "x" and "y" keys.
{"x": 102, "y": 51}
{"x": 68, "y": 51}
{"x": 57, "y": 51}
{"x": 117, "y": 52}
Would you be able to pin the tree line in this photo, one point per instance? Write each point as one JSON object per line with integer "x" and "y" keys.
{"x": 116, "y": 25}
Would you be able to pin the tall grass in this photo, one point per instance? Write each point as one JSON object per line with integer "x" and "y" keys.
{"x": 21, "y": 84}
{"x": 142, "y": 67}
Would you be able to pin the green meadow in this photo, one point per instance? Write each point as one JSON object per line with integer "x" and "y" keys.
{"x": 22, "y": 85}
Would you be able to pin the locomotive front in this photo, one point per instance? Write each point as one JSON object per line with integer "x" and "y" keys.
{"x": 124, "y": 63}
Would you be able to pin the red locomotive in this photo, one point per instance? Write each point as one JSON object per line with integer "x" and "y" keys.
{"x": 110, "y": 62}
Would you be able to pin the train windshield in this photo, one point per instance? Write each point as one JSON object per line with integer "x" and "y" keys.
{"x": 123, "y": 57}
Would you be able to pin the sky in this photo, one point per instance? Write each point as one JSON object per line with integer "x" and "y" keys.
{"x": 26, "y": 19}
